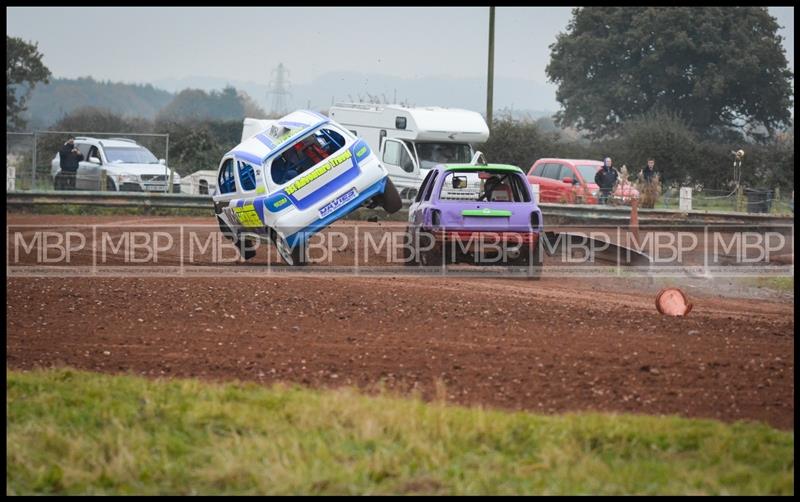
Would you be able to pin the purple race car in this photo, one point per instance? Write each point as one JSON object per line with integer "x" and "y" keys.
{"x": 484, "y": 214}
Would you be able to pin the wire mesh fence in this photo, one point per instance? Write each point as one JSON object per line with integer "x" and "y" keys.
{"x": 743, "y": 200}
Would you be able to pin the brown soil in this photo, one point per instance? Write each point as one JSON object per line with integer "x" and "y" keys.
{"x": 549, "y": 346}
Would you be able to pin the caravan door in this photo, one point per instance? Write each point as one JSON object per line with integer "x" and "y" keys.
{"x": 403, "y": 169}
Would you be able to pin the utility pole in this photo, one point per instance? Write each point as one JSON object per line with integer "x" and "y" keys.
{"x": 490, "y": 83}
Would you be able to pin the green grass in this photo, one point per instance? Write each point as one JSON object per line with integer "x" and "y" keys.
{"x": 72, "y": 432}
{"x": 783, "y": 283}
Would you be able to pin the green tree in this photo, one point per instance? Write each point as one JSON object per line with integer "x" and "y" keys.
{"x": 24, "y": 69}
{"x": 718, "y": 68}
{"x": 196, "y": 104}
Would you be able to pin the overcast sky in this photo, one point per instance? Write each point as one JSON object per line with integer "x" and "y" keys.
{"x": 145, "y": 44}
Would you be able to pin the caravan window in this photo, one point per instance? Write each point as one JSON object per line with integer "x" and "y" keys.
{"x": 431, "y": 154}
{"x": 304, "y": 154}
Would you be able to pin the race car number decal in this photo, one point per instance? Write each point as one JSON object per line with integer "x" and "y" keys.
{"x": 247, "y": 216}
{"x": 337, "y": 202}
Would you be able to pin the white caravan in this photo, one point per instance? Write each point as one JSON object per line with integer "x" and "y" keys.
{"x": 410, "y": 141}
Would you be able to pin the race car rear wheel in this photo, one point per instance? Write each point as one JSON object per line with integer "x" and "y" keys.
{"x": 531, "y": 260}
{"x": 246, "y": 246}
{"x": 295, "y": 256}
{"x": 225, "y": 229}
{"x": 391, "y": 200}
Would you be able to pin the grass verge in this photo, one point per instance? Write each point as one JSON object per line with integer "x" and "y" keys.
{"x": 784, "y": 284}
{"x": 71, "y": 432}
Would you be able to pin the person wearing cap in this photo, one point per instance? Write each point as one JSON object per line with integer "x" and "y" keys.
{"x": 606, "y": 178}
{"x": 69, "y": 158}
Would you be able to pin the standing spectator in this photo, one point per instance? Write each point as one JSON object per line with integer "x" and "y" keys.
{"x": 650, "y": 184}
{"x": 606, "y": 178}
{"x": 69, "y": 156}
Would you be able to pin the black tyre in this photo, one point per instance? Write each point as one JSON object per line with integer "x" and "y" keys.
{"x": 391, "y": 198}
{"x": 246, "y": 245}
{"x": 110, "y": 185}
{"x": 531, "y": 260}
{"x": 225, "y": 229}
{"x": 408, "y": 253}
{"x": 428, "y": 253}
{"x": 296, "y": 256}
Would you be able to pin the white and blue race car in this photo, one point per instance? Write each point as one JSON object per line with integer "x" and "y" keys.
{"x": 294, "y": 179}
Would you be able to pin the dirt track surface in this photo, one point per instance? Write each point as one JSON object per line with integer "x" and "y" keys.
{"x": 550, "y": 346}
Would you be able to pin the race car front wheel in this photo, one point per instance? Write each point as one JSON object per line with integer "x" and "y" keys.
{"x": 391, "y": 198}
{"x": 293, "y": 256}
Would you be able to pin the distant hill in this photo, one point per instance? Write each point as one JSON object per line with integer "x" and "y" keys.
{"x": 524, "y": 99}
{"x": 49, "y": 103}
{"x": 523, "y": 96}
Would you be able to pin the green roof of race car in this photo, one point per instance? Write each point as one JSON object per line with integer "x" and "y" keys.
{"x": 502, "y": 168}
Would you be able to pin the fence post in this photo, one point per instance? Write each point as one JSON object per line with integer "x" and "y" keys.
{"x": 685, "y": 200}
{"x": 33, "y": 170}
{"x": 739, "y": 198}
{"x": 103, "y": 180}
{"x": 166, "y": 161}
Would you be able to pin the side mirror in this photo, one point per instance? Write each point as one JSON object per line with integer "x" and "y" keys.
{"x": 567, "y": 180}
{"x": 163, "y": 162}
{"x": 94, "y": 160}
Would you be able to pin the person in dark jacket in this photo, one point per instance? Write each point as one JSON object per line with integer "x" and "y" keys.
{"x": 649, "y": 172}
{"x": 650, "y": 183}
{"x": 606, "y": 178}
{"x": 69, "y": 157}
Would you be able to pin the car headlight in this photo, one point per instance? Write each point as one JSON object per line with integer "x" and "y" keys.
{"x": 129, "y": 178}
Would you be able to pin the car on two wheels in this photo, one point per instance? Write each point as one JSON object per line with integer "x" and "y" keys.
{"x": 295, "y": 178}
{"x": 494, "y": 221}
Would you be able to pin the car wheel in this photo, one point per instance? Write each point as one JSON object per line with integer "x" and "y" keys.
{"x": 408, "y": 254}
{"x": 225, "y": 229}
{"x": 531, "y": 260}
{"x": 245, "y": 246}
{"x": 296, "y": 256}
{"x": 110, "y": 185}
{"x": 433, "y": 257}
{"x": 391, "y": 198}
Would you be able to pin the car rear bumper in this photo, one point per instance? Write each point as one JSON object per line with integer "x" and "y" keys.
{"x": 519, "y": 238}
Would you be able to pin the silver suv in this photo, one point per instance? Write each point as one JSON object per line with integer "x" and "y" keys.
{"x": 117, "y": 164}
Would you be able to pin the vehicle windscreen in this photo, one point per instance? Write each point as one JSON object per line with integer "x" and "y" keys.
{"x": 305, "y": 153}
{"x": 431, "y": 154}
{"x": 127, "y": 155}
{"x": 588, "y": 172}
{"x": 494, "y": 186}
